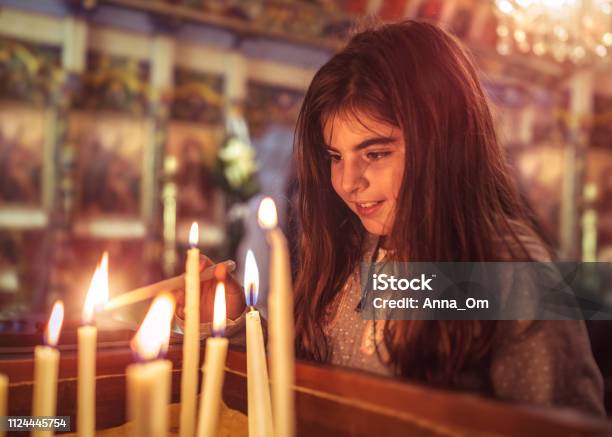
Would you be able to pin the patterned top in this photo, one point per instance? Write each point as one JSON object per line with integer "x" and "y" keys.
{"x": 536, "y": 362}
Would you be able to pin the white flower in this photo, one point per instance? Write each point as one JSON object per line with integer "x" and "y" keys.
{"x": 239, "y": 159}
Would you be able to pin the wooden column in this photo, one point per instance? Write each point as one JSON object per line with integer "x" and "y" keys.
{"x": 236, "y": 93}
{"x": 581, "y": 109}
{"x": 236, "y": 77}
{"x": 158, "y": 221}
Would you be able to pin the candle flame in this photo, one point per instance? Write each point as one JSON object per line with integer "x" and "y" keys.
{"x": 194, "y": 235}
{"x": 267, "y": 216}
{"x": 251, "y": 278}
{"x": 219, "y": 313}
{"x": 97, "y": 296}
{"x": 54, "y": 326}
{"x": 153, "y": 336}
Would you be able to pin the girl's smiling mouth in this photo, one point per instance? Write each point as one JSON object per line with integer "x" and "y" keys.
{"x": 368, "y": 208}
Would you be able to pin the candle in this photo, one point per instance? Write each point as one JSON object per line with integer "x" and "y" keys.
{"x": 152, "y": 290}
{"x": 96, "y": 298}
{"x": 149, "y": 382}
{"x": 3, "y": 398}
{"x": 46, "y": 365}
{"x": 213, "y": 369}
{"x": 191, "y": 339}
{"x": 281, "y": 322}
{"x": 259, "y": 405}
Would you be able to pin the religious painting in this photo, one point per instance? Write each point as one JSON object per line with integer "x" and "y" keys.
{"x": 114, "y": 83}
{"x": 193, "y": 148}
{"x": 198, "y": 97}
{"x": 30, "y": 72}
{"x": 22, "y": 143}
{"x": 24, "y": 264}
{"x": 269, "y": 106}
{"x": 271, "y": 113}
{"x": 26, "y": 165}
{"x": 195, "y": 134}
{"x": 30, "y": 78}
{"x": 111, "y": 155}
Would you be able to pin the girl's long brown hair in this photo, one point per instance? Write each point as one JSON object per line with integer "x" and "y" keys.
{"x": 457, "y": 201}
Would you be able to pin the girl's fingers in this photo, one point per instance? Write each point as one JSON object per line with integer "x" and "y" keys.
{"x": 180, "y": 303}
{"x": 233, "y": 286}
{"x": 205, "y": 262}
{"x": 179, "y": 296}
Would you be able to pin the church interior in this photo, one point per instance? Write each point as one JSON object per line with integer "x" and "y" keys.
{"x": 124, "y": 122}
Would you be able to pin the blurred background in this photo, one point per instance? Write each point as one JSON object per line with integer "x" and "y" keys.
{"x": 123, "y": 121}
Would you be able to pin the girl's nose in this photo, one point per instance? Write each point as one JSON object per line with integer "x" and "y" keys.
{"x": 353, "y": 177}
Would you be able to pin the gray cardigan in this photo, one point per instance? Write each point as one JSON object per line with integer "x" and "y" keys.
{"x": 544, "y": 362}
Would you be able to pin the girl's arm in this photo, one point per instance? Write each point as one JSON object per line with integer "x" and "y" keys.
{"x": 547, "y": 362}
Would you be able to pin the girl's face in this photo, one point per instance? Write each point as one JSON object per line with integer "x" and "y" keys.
{"x": 367, "y": 167}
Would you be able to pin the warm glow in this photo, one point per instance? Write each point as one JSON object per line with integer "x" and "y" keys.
{"x": 154, "y": 333}
{"x": 251, "y": 278}
{"x": 194, "y": 235}
{"x": 97, "y": 296}
{"x": 601, "y": 51}
{"x": 505, "y": 6}
{"x": 562, "y": 30}
{"x": 54, "y": 326}
{"x": 267, "y": 213}
{"x": 219, "y": 313}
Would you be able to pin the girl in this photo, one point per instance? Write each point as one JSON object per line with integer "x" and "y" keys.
{"x": 397, "y": 159}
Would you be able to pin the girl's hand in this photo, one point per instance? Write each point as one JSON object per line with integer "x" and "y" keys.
{"x": 234, "y": 296}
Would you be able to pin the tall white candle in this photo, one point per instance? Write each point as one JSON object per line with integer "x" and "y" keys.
{"x": 86, "y": 385}
{"x": 281, "y": 325}
{"x": 163, "y": 389}
{"x": 46, "y": 368}
{"x": 96, "y": 298}
{"x": 149, "y": 382}
{"x": 3, "y": 398}
{"x": 258, "y": 386}
{"x": 213, "y": 370}
{"x": 191, "y": 339}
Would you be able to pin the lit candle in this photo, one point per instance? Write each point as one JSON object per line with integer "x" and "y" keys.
{"x": 281, "y": 334}
{"x": 46, "y": 366}
{"x": 149, "y": 382}
{"x": 3, "y": 398}
{"x": 259, "y": 405}
{"x": 96, "y": 298}
{"x": 213, "y": 369}
{"x": 191, "y": 338}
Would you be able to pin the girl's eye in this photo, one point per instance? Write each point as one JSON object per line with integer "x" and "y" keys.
{"x": 334, "y": 157}
{"x": 374, "y": 156}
